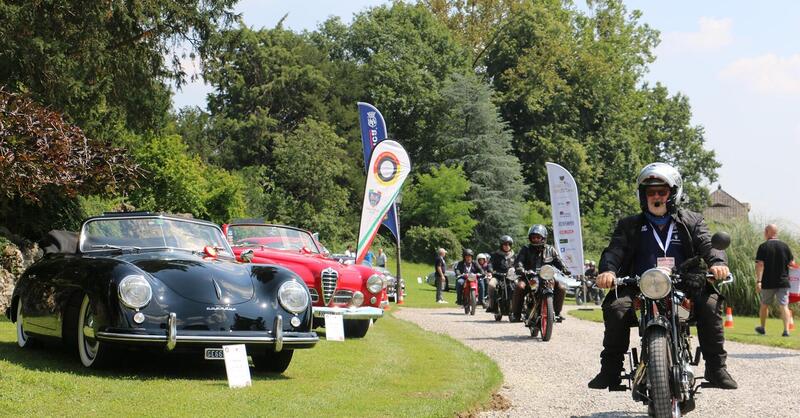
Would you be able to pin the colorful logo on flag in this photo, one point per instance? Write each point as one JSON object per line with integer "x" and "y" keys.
{"x": 387, "y": 169}
{"x": 374, "y": 198}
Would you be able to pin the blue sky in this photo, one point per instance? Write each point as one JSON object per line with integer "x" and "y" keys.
{"x": 737, "y": 61}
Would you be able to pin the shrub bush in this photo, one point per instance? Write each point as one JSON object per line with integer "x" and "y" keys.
{"x": 745, "y": 239}
{"x": 420, "y": 243}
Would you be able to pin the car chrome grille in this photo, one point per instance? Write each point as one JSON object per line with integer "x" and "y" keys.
{"x": 314, "y": 295}
{"x": 329, "y": 279}
{"x": 342, "y": 296}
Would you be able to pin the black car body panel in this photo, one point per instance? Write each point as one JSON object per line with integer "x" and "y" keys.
{"x": 198, "y": 301}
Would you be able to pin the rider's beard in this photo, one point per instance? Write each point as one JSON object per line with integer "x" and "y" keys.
{"x": 657, "y": 208}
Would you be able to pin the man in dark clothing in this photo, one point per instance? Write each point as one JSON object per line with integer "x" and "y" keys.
{"x": 772, "y": 276}
{"x": 532, "y": 257}
{"x": 466, "y": 266}
{"x": 501, "y": 262}
{"x": 661, "y": 236}
{"x": 440, "y": 266}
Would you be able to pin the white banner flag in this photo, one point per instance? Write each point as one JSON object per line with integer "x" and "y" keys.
{"x": 567, "y": 236}
{"x": 389, "y": 167}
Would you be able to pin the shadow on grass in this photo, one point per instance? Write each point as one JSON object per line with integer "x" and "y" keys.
{"x": 127, "y": 364}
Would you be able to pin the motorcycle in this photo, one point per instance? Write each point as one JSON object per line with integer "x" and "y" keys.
{"x": 503, "y": 293}
{"x": 663, "y": 378}
{"x": 592, "y": 292}
{"x": 540, "y": 314}
{"x": 469, "y": 291}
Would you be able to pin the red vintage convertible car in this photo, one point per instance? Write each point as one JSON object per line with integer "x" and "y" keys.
{"x": 356, "y": 292}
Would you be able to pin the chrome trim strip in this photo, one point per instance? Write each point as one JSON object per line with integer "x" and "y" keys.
{"x": 364, "y": 312}
{"x": 172, "y": 331}
{"x": 277, "y": 327}
{"x": 287, "y": 340}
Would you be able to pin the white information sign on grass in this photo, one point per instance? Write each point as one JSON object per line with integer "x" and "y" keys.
{"x": 236, "y": 365}
{"x": 334, "y": 327}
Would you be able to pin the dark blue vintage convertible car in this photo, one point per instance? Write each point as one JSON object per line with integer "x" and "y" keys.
{"x": 160, "y": 282}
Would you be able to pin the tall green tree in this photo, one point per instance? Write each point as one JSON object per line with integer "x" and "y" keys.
{"x": 439, "y": 200}
{"x": 670, "y": 137}
{"x": 405, "y": 55}
{"x": 473, "y": 134}
{"x": 103, "y": 64}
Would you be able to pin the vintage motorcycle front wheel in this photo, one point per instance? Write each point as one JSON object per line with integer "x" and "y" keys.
{"x": 658, "y": 372}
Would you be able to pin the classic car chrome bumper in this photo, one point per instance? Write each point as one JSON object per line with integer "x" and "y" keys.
{"x": 278, "y": 339}
{"x": 364, "y": 312}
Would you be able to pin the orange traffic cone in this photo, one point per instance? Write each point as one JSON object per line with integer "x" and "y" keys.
{"x": 728, "y": 317}
{"x": 791, "y": 321}
{"x": 400, "y": 296}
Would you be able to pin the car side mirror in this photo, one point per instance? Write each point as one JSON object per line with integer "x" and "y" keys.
{"x": 721, "y": 240}
{"x": 247, "y": 256}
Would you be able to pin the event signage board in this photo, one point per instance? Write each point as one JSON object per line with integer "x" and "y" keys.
{"x": 567, "y": 236}
{"x": 389, "y": 167}
{"x": 334, "y": 327}
{"x": 373, "y": 131}
{"x": 236, "y": 365}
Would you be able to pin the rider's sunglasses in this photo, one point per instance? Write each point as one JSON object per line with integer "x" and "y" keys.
{"x": 662, "y": 193}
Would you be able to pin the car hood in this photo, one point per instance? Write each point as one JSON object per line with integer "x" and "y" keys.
{"x": 349, "y": 278}
{"x": 198, "y": 279}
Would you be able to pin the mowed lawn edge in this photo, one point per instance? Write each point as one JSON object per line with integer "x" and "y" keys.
{"x": 743, "y": 330}
{"x": 398, "y": 369}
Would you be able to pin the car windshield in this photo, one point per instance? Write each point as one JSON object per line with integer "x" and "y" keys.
{"x": 271, "y": 236}
{"x": 151, "y": 232}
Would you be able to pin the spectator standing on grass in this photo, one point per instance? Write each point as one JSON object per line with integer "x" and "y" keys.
{"x": 772, "y": 277}
{"x": 381, "y": 260}
{"x": 349, "y": 251}
{"x": 439, "y": 266}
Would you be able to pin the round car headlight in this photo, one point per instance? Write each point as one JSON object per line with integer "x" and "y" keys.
{"x": 135, "y": 291}
{"x": 547, "y": 272}
{"x": 357, "y": 299}
{"x": 293, "y": 297}
{"x": 655, "y": 284}
{"x": 375, "y": 283}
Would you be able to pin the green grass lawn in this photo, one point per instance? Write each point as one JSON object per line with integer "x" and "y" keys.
{"x": 397, "y": 370}
{"x": 743, "y": 330}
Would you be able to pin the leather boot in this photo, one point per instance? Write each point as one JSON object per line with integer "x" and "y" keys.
{"x": 719, "y": 377}
{"x": 606, "y": 378}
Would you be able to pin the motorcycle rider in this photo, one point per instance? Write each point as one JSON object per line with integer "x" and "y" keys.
{"x": 466, "y": 266}
{"x": 501, "y": 261}
{"x": 483, "y": 262}
{"x": 532, "y": 257}
{"x": 594, "y": 292}
{"x": 663, "y": 235}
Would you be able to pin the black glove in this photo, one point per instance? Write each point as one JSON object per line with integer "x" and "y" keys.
{"x": 693, "y": 283}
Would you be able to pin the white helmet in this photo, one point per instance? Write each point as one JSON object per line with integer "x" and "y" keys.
{"x": 483, "y": 256}
{"x": 660, "y": 174}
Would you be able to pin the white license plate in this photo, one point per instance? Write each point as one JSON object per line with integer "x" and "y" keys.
{"x": 214, "y": 354}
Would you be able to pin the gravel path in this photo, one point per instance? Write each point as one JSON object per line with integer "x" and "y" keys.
{"x": 548, "y": 379}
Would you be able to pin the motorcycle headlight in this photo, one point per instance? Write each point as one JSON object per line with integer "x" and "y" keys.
{"x": 293, "y": 297}
{"x": 135, "y": 291}
{"x": 655, "y": 284}
{"x": 375, "y": 284}
{"x": 547, "y": 272}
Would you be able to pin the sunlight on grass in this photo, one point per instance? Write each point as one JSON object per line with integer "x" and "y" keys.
{"x": 397, "y": 370}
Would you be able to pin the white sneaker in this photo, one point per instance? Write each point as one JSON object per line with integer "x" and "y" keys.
{"x": 441, "y": 301}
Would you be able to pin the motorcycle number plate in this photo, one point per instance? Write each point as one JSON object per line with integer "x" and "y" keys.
{"x": 665, "y": 262}
{"x": 214, "y": 354}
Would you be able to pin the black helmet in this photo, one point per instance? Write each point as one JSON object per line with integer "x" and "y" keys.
{"x": 538, "y": 229}
{"x": 506, "y": 239}
{"x": 467, "y": 252}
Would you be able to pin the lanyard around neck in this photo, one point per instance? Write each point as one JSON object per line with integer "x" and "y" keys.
{"x": 664, "y": 245}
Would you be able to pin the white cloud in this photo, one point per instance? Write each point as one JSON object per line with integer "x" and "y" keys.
{"x": 766, "y": 73}
{"x": 713, "y": 34}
